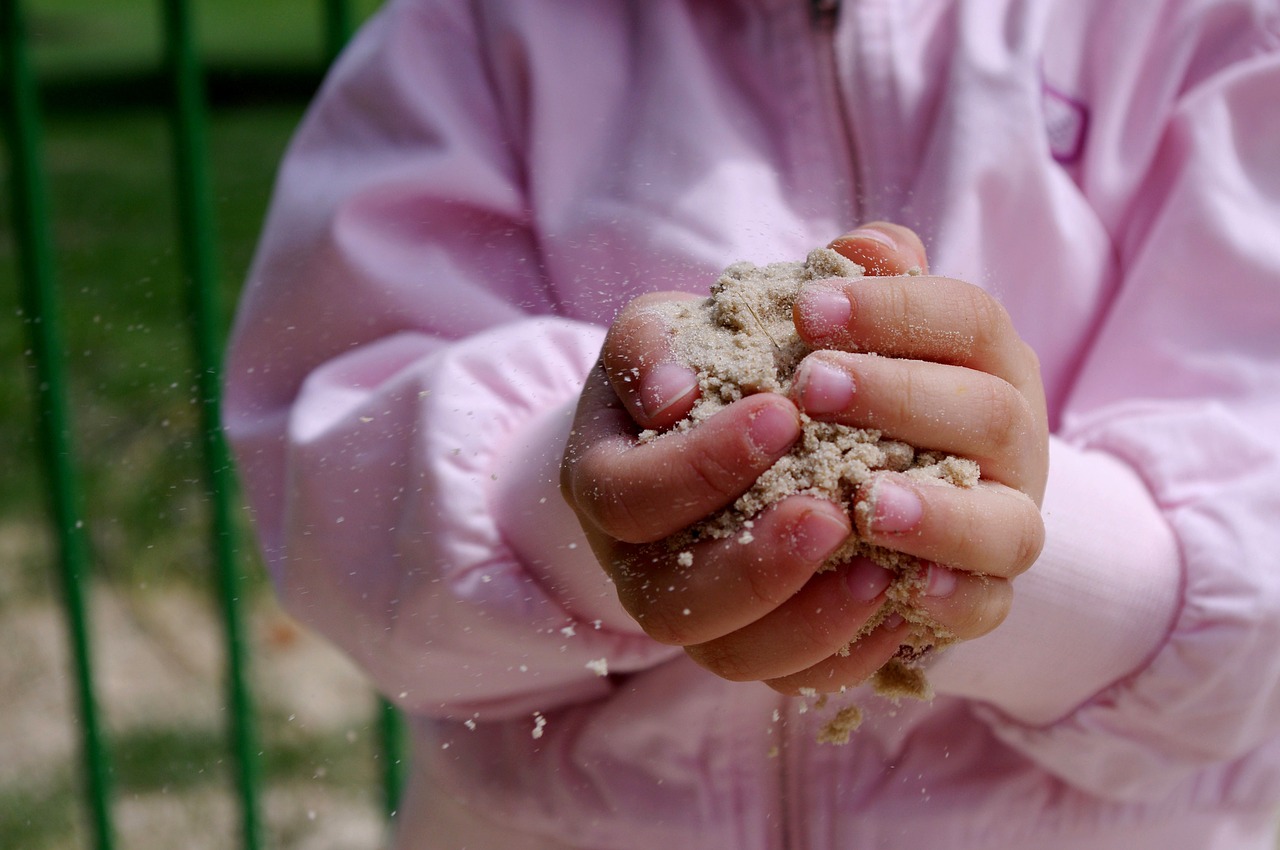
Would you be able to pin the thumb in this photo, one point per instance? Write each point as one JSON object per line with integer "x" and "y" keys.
{"x": 656, "y": 389}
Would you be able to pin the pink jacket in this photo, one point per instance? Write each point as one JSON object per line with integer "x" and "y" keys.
{"x": 479, "y": 188}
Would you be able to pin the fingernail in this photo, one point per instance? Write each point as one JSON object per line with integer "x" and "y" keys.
{"x": 895, "y": 508}
{"x": 773, "y": 430}
{"x": 824, "y": 388}
{"x": 817, "y": 535}
{"x": 874, "y": 235}
{"x": 939, "y": 582}
{"x": 892, "y": 621}
{"x": 824, "y": 310}
{"x": 867, "y": 579}
{"x": 664, "y": 386}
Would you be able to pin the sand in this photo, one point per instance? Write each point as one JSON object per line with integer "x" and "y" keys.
{"x": 742, "y": 340}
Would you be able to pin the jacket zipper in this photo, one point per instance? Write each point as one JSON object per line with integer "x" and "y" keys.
{"x": 825, "y": 15}
{"x": 784, "y": 773}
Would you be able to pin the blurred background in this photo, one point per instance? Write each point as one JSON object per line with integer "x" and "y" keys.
{"x": 154, "y": 615}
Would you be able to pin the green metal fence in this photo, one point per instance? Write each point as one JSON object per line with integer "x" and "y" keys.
{"x": 43, "y": 313}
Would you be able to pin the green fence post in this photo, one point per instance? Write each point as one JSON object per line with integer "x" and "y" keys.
{"x": 199, "y": 243}
{"x": 339, "y": 24}
{"x": 32, "y": 228}
{"x": 391, "y": 732}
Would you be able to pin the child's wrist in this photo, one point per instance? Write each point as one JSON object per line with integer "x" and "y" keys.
{"x": 1094, "y": 608}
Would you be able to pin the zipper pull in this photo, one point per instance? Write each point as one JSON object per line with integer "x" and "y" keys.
{"x": 825, "y": 13}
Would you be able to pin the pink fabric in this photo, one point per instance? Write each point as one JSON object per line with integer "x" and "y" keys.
{"x": 481, "y": 186}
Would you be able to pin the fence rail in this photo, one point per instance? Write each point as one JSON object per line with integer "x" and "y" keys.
{"x": 196, "y": 241}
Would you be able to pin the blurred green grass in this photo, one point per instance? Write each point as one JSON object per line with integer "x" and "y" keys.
{"x": 128, "y": 353}
{"x": 79, "y": 37}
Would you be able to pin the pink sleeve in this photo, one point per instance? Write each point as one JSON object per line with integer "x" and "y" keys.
{"x": 1145, "y": 644}
{"x": 1097, "y": 603}
{"x": 397, "y": 454}
{"x": 394, "y": 365}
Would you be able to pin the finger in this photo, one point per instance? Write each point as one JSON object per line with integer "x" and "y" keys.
{"x": 819, "y": 620}
{"x": 989, "y": 529}
{"x": 946, "y": 408}
{"x": 920, "y": 318}
{"x": 836, "y": 672}
{"x": 965, "y": 604}
{"x": 656, "y": 389}
{"x": 648, "y": 491}
{"x": 883, "y": 248}
{"x": 715, "y": 587}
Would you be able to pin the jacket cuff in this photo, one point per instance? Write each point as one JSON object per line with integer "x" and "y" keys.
{"x": 543, "y": 531}
{"x": 1094, "y": 609}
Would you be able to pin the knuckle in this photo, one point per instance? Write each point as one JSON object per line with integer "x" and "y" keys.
{"x": 617, "y": 501}
{"x": 713, "y": 475}
{"x": 1004, "y": 418}
{"x": 896, "y": 305}
{"x": 903, "y": 404}
{"x": 814, "y": 629}
{"x": 1029, "y": 356}
{"x": 588, "y": 484}
{"x": 992, "y": 537}
{"x": 567, "y": 484}
{"x": 618, "y": 351}
{"x": 580, "y": 485}
{"x": 763, "y": 585}
{"x": 969, "y": 536}
{"x": 659, "y": 619}
{"x": 999, "y": 602}
{"x": 663, "y": 629}
{"x": 724, "y": 659}
{"x": 989, "y": 321}
{"x": 990, "y": 606}
{"x": 619, "y": 519}
{"x": 1030, "y": 541}
{"x": 785, "y": 685}
{"x": 614, "y": 512}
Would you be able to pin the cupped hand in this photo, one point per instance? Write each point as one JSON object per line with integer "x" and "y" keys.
{"x": 753, "y": 607}
{"x": 950, "y": 374}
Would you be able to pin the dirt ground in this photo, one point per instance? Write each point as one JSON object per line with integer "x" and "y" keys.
{"x": 159, "y": 656}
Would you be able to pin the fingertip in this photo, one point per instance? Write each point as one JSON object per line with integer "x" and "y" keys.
{"x": 656, "y": 389}
{"x": 939, "y": 582}
{"x": 666, "y": 394}
{"x": 883, "y": 248}
{"x": 774, "y": 425}
{"x": 819, "y": 532}
{"x": 867, "y": 581}
{"x": 822, "y": 312}
{"x": 822, "y": 388}
{"x": 968, "y": 606}
{"x": 888, "y": 505}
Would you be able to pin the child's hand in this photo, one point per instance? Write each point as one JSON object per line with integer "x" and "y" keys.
{"x": 753, "y": 608}
{"x": 951, "y": 374}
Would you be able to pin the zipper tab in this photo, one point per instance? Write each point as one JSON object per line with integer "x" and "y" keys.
{"x": 825, "y": 13}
